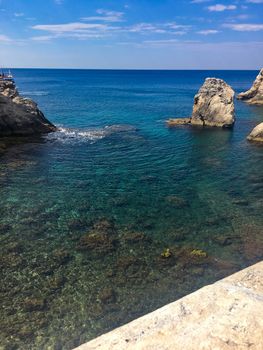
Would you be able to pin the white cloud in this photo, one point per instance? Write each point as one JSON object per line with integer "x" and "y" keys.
{"x": 161, "y": 42}
{"x": 255, "y": 1}
{"x": 19, "y": 14}
{"x": 144, "y": 27}
{"x": 173, "y": 25}
{"x": 42, "y": 38}
{"x": 70, "y": 27}
{"x": 86, "y": 30}
{"x": 167, "y": 42}
{"x": 244, "y": 27}
{"x": 106, "y": 16}
{"x": 4, "y": 38}
{"x": 208, "y": 31}
{"x": 220, "y": 7}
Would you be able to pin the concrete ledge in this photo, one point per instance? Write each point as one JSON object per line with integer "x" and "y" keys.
{"x": 225, "y": 315}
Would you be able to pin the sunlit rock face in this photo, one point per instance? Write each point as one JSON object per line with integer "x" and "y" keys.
{"x": 255, "y": 94}
{"x": 214, "y": 104}
{"x": 20, "y": 116}
{"x": 256, "y": 134}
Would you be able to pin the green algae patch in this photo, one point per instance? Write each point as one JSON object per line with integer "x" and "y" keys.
{"x": 198, "y": 253}
{"x": 166, "y": 253}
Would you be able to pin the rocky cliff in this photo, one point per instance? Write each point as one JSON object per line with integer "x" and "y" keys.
{"x": 255, "y": 94}
{"x": 214, "y": 104}
{"x": 20, "y": 116}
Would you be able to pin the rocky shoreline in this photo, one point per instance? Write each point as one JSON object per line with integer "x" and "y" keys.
{"x": 20, "y": 116}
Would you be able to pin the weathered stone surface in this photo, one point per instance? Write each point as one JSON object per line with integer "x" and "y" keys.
{"x": 226, "y": 315}
{"x": 20, "y": 116}
{"x": 214, "y": 104}
{"x": 255, "y": 94}
{"x": 178, "y": 121}
{"x": 256, "y": 134}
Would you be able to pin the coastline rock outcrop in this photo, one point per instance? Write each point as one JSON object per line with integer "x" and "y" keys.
{"x": 213, "y": 106}
{"x": 256, "y": 134}
{"x": 20, "y": 116}
{"x": 178, "y": 121}
{"x": 255, "y": 94}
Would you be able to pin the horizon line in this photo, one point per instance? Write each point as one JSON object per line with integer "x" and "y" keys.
{"x": 135, "y": 69}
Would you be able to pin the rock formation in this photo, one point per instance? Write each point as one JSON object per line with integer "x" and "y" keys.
{"x": 213, "y": 106}
{"x": 20, "y": 116}
{"x": 255, "y": 94}
{"x": 178, "y": 121}
{"x": 256, "y": 134}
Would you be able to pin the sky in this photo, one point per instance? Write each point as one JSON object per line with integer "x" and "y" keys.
{"x": 132, "y": 34}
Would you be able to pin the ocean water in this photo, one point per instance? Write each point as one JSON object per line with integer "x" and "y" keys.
{"x": 115, "y": 214}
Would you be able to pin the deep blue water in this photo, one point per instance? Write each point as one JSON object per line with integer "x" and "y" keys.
{"x": 180, "y": 189}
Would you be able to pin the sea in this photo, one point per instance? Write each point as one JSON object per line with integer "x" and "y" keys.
{"x": 116, "y": 214}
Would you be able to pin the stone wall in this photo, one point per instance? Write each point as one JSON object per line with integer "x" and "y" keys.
{"x": 225, "y": 315}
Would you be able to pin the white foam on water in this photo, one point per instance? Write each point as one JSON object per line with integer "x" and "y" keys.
{"x": 34, "y": 93}
{"x": 90, "y": 135}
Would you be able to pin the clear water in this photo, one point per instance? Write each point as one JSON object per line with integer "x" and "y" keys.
{"x": 86, "y": 213}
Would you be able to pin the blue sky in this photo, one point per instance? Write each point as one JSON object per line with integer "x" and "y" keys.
{"x": 154, "y": 34}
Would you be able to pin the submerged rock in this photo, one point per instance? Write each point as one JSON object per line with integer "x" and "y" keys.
{"x": 177, "y": 202}
{"x": 135, "y": 237}
{"x": 97, "y": 242}
{"x": 256, "y": 134}
{"x": 61, "y": 256}
{"x": 214, "y": 104}
{"x": 20, "y": 116}
{"x": 104, "y": 226}
{"x": 107, "y": 296}
{"x": 34, "y": 304}
{"x": 255, "y": 94}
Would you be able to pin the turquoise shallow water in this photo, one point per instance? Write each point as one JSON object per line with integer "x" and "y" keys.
{"x": 87, "y": 212}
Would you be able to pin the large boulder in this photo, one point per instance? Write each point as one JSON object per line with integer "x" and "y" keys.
{"x": 214, "y": 104}
{"x": 20, "y": 116}
{"x": 255, "y": 94}
{"x": 256, "y": 134}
